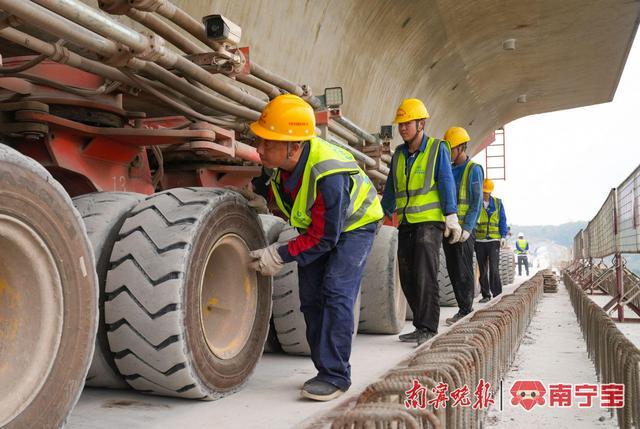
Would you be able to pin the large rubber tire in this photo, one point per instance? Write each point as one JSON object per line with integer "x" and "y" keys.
{"x": 185, "y": 314}
{"x": 103, "y": 214}
{"x": 506, "y": 266}
{"x": 287, "y": 317}
{"x": 383, "y": 305}
{"x": 445, "y": 287}
{"x": 272, "y": 226}
{"x": 48, "y": 297}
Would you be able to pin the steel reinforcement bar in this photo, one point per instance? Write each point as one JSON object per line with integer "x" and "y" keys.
{"x": 477, "y": 350}
{"x": 617, "y": 360}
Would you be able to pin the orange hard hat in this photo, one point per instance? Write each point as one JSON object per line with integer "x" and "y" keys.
{"x": 286, "y": 118}
{"x": 487, "y": 186}
{"x": 456, "y": 136}
{"x": 409, "y": 110}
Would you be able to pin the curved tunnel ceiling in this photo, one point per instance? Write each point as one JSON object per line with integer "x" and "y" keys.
{"x": 569, "y": 53}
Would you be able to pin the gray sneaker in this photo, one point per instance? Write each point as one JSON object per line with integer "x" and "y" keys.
{"x": 411, "y": 337}
{"x": 450, "y": 321}
{"x": 483, "y": 300}
{"x": 424, "y": 335}
{"x": 311, "y": 380}
{"x": 319, "y": 390}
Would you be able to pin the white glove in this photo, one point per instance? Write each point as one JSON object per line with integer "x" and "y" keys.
{"x": 465, "y": 236}
{"x": 503, "y": 242}
{"x": 452, "y": 228}
{"x": 267, "y": 260}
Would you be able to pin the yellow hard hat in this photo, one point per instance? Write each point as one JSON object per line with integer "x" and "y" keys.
{"x": 286, "y": 118}
{"x": 410, "y": 109}
{"x": 456, "y": 136}
{"x": 487, "y": 186}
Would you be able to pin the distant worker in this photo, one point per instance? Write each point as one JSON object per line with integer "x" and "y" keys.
{"x": 522, "y": 250}
{"x": 421, "y": 190}
{"x": 334, "y": 205}
{"x": 468, "y": 176}
{"x": 490, "y": 237}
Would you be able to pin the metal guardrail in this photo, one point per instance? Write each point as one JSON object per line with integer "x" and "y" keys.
{"x": 628, "y": 219}
{"x": 617, "y": 360}
{"x": 613, "y": 231}
{"x": 480, "y": 348}
{"x": 616, "y": 226}
{"x": 602, "y": 229}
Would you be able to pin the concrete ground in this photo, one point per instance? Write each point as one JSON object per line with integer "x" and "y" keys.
{"x": 270, "y": 399}
{"x": 553, "y": 351}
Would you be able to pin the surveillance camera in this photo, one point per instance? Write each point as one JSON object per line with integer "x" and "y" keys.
{"x": 221, "y": 29}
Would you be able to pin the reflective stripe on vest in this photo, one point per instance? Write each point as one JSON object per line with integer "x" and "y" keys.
{"x": 463, "y": 193}
{"x": 489, "y": 228}
{"x": 523, "y": 245}
{"x": 417, "y": 196}
{"x": 324, "y": 160}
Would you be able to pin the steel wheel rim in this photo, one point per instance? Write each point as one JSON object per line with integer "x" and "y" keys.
{"x": 31, "y": 314}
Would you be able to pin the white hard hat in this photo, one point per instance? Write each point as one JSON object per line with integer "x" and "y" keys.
{"x": 520, "y": 235}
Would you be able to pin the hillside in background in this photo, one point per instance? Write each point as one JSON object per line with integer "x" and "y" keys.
{"x": 552, "y": 242}
{"x": 560, "y": 234}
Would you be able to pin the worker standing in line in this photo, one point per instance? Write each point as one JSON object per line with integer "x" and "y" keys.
{"x": 491, "y": 235}
{"x": 334, "y": 205}
{"x": 522, "y": 249}
{"x": 421, "y": 190}
{"x": 468, "y": 176}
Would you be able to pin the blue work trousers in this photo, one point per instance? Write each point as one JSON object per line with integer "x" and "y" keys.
{"x": 329, "y": 288}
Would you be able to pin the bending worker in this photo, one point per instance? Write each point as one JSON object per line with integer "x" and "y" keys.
{"x": 334, "y": 205}
{"x": 491, "y": 234}
{"x": 468, "y": 176}
{"x": 421, "y": 190}
{"x": 522, "y": 249}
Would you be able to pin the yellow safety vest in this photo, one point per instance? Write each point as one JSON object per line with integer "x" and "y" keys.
{"x": 523, "y": 246}
{"x": 417, "y": 197}
{"x": 324, "y": 160}
{"x": 463, "y": 197}
{"x": 489, "y": 227}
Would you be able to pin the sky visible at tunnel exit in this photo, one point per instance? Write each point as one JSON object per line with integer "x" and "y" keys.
{"x": 562, "y": 165}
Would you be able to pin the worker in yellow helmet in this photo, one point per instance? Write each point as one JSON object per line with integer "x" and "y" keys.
{"x": 333, "y": 204}
{"x": 491, "y": 235}
{"x": 421, "y": 190}
{"x": 468, "y": 176}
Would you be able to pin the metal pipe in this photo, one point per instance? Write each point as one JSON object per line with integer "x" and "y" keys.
{"x": 346, "y": 122}
{"x": 186, "y": 22}
{"x": 349, "y": 137}
{"x": 258, "y": 84}
{"x": 173, "y": 81}
{"x": 99, "y": 22}
{"x": 43, "y": 18}
{"x": 83, "y": 14}
{"x": 63, "y": 55}
{"x": 276, "y": 80}
{"x": 152, "y": 22}
{"x": 368, "y": 161}
{"x": 386, "y": 158}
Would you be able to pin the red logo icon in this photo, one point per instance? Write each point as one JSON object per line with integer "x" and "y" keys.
{"x": 528, "y": 393}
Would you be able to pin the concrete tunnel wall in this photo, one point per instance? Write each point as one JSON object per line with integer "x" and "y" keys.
{"x": 449, "y": 53}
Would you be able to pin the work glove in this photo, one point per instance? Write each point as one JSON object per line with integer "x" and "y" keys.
{"x": 267, "y": 260}
{"x": 452, "y": 228}
{"x": 465, "y": 236}
{"x": 503, "y": 242}
{"x": 255, "y": 201}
